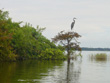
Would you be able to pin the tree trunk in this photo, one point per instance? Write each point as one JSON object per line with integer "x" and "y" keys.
{"x": 68, "y": 51}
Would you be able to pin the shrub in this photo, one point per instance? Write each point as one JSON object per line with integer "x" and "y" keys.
{"x": 99, "y": 56}
{"x": 51, "y": 54}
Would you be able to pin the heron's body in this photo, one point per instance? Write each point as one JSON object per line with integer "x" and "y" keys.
{"x": 72, "y": 25}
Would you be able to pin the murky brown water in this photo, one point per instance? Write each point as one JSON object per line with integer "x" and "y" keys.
{"x": 80, "y": 71}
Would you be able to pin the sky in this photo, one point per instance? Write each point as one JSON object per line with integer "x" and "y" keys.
{"x": 92, "y": 23}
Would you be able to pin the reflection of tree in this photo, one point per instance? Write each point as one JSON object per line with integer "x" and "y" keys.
{"x": 73, "y": 72}
{"x": 6, "y": 71}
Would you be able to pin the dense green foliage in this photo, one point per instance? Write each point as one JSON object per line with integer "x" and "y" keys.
{"x": 51, "y": 54}
{"x": 22, "y": 42}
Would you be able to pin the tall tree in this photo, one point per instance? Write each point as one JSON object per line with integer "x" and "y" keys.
{"x": 68, "y": 40}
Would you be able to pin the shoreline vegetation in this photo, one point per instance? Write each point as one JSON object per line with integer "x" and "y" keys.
{"x": 25, "y": 42}
{"x": 99, "y": 57}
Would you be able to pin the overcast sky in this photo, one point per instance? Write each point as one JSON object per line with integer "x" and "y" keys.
{"x": 92, "y": 23}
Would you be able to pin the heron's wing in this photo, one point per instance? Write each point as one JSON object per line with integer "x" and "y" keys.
{"x": 72, "y": 25}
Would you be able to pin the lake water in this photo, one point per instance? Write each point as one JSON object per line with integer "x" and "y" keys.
{"x": 82, "y": 70}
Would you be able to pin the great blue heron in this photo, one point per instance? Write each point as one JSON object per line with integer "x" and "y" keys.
{"x": 72, "y": 24}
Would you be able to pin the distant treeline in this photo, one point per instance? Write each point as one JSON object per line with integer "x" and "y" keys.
{"x": 95, "y": 49}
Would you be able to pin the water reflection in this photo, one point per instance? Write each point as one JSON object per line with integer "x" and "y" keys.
{"x": 26, "y": 71}
{"x": 77, "y": 71}
{"x": 94, "y": 71}
{"x": 73, "y": 72}
{"x": 40, "y": 72}
{"x": 6, "y": 72}
{"x": 68, "y": 73}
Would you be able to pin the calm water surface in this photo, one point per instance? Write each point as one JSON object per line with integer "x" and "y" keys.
{"x": 80, "y": 71}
